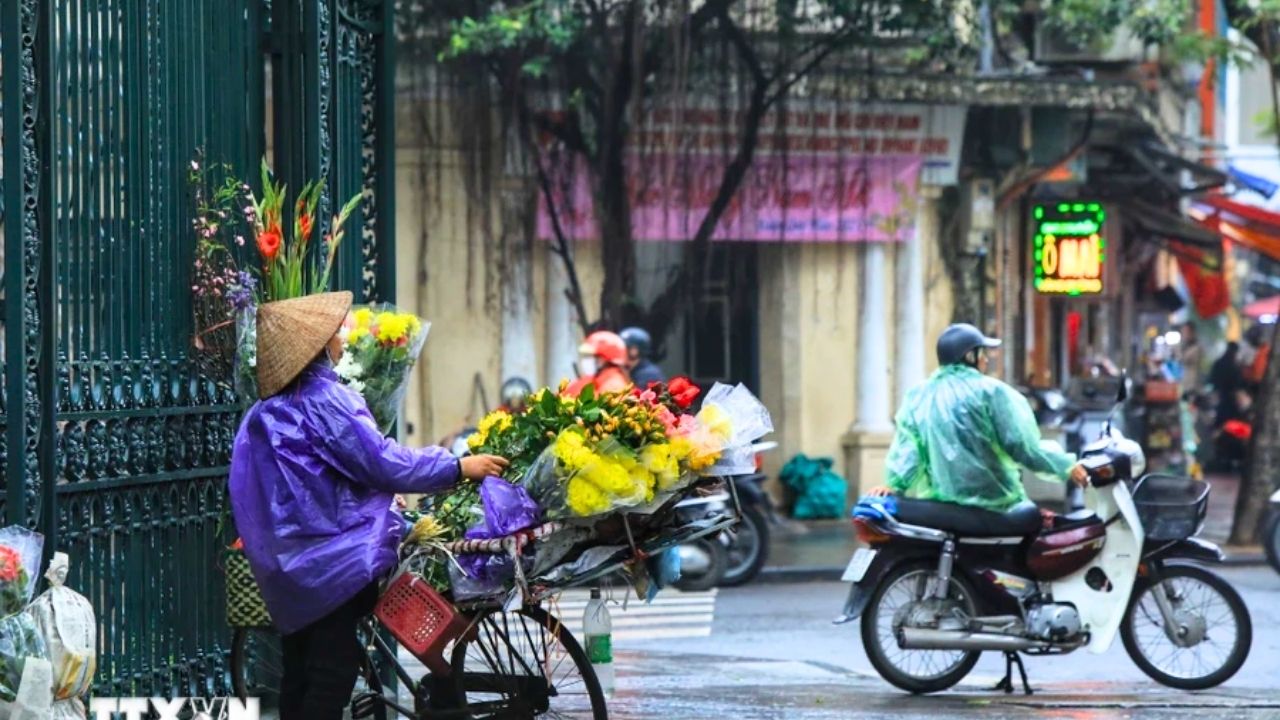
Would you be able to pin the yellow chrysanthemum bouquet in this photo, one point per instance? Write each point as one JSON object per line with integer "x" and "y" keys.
{"x": 381, "y": 344}
{"x": 587, "y": 456}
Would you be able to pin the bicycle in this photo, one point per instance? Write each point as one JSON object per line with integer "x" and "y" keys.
{"x": 506, "y": 664}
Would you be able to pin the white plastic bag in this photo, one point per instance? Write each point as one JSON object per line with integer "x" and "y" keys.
{"x": 66, "y": 622}
{"x": 34, "y": 696}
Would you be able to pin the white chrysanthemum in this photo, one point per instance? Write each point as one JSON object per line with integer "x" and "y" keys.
{"x": 348, "y": 369}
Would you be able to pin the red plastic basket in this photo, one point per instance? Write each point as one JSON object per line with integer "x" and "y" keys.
{"x": 421, "y": 619}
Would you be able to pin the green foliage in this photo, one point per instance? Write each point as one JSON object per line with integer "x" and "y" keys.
{"x": 533, "y": 32}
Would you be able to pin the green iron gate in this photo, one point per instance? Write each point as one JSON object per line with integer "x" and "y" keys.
{"x": 115, "y": 446}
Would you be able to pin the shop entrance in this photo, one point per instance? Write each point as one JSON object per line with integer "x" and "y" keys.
{"x": 721, "y": 339}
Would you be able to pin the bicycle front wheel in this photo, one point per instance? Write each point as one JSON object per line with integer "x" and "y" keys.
{"x": 525, "y": 663}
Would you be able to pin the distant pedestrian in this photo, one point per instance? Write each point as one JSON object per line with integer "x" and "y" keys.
{"x": 1225, "y": 379}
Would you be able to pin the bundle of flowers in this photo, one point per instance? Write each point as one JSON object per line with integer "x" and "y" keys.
{"x": 583, "y": 459}
{"x": 20, "y": 639}
{"x": 380, "y": 346}
{"x": 292, "y": 259}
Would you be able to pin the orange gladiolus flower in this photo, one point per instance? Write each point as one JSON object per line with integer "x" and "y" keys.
{"x": 304, "y": 223}
{"x": 269, "y": 241}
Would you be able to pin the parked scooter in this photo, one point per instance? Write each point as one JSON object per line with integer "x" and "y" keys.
{"x": 728, "y": 558}
{"x": 703, "y": 560}
{"x": 940, "y": 583}
{"x": 748, "y": 545}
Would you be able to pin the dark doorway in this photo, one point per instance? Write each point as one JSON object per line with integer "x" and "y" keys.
{"x": 722, "y": 327}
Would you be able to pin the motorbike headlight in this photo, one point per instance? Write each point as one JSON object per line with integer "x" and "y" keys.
{"x": 1054, "y": 400}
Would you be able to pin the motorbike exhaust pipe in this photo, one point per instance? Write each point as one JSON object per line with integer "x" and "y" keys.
{"x": 926, "y": 639}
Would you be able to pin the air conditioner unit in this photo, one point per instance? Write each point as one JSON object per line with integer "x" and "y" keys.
{"x": 1053, "y": 47}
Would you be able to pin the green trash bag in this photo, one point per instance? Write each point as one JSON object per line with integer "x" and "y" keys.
{"x": 819, "y": 492}
{"x": 962, "y": 437}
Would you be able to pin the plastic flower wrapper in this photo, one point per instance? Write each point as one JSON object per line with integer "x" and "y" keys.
{"x": 508, "y": 509}
{"x": 577, "y": 477}
{"x": 246, "y": 361}
{"x": 730, "y": 420}
{"x": 381, "y": 345}
{"x": 19, "y": 565}
{"x": 20, "y": 643}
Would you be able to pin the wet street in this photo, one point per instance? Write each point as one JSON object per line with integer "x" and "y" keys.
{"x": 769, "y": 651}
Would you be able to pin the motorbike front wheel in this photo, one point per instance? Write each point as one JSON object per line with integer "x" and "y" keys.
{"x": 749, "y": 549}
{"x": 702, "y": 564}
{"x": 894, "y": 601}
{"x": 1206, "y": 637}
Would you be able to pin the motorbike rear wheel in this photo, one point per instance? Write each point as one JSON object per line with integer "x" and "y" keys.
{"x": 1213, "y": 636}
{"x": 916, "y": 671}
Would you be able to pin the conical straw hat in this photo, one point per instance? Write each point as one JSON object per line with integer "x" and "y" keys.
{"x": 291, "y": 333}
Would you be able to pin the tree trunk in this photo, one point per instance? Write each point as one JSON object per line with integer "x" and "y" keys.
{"x": 1264, "y": 456}
{"x": 1264, "y": 448}
{"x": 617, "y": 244}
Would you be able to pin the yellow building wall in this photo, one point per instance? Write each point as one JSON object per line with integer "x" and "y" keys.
{"x": 810, "y": 302}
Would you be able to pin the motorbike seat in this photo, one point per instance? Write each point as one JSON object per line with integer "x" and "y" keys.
{"x": 1021, "y": 519}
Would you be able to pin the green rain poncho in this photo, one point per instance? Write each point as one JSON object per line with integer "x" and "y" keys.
{"x": 961, "y": 438}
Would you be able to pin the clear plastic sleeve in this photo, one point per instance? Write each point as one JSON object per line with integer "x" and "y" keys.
{"x": 20, "y": 642}
{"x": 20, "y": 551}
{"x": 749, "y": 419}
{"x": 246, "y": 360}
{"x": 577, "y": 478}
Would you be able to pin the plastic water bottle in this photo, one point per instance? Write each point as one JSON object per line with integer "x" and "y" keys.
{"x": 597, "y": 632}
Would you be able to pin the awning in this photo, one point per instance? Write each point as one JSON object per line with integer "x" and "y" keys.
{"x": 1263, "y": 308}
{"x": 1246, "y": 225}
{"x": 1162, "y": 225}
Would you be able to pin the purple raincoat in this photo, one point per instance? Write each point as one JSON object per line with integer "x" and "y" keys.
{"x": 312, "y": 485}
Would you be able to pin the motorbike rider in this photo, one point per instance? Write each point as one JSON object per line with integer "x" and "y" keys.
{"x": 515, "y": 395}
{"x": 643, "y": 370}
{"x": 312, "y": 483}
{"x": 602, "y": 362}
{"x": 962, "y": 435}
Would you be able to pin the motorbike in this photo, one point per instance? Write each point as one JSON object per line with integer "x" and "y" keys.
{"x": 734, "y": 557}
{"x": 703, "y": 560}
{"x": 748, "y": 545}
{"x": 937, "y": 584}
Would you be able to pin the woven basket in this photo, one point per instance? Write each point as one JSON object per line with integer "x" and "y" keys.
{"x": 245, "y": 606}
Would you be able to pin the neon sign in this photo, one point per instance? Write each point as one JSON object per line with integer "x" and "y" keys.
{"x": 1070, "y": 247}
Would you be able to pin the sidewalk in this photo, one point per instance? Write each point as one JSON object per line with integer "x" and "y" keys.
{"x": 818, "y": 550}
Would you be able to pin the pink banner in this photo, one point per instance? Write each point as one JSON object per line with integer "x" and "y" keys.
{"x": 807, "y": 197}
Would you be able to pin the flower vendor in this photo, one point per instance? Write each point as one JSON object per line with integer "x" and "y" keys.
{"x": 312, "y": 487}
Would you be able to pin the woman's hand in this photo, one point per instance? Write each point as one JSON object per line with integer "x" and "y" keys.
{"x": 880, "y": 491}
{"x": 479, "y": 467}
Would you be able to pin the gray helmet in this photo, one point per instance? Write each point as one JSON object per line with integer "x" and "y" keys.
{"x": 515, "y": 390}
{"x": 637, "y": 338}
{"x": 958, "y": 340}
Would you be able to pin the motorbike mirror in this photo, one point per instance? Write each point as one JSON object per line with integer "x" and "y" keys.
{"x": 1122, "y": 394}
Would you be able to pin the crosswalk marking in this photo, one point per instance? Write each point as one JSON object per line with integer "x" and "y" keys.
{"x": 671, "y": 615}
